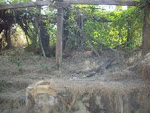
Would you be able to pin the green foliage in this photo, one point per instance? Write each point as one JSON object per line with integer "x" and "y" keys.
{"x": 15, "y": 60}
{"x": 2, "y": 2}
{"x": 111, "y": 28}
{"x": 136, "y": 111}
{"x": 13, "y": 1}
{"x": 3, "y": 85}
{"x": 51, "y": 25}
{"x": 114, "y": 33}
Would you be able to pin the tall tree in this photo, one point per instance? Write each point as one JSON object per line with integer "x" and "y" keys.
{"x": 146, "y": 30}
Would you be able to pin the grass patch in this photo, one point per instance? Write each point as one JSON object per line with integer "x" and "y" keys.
{"x": 3, "y": 85}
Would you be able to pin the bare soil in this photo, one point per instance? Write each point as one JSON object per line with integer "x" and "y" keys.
{"x": 115, "y": 68}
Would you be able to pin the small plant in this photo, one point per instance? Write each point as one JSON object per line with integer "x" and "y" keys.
{"x": 15, "y": 60}
{"x": 3, "y": 85}
{"x": 44, "y": 67}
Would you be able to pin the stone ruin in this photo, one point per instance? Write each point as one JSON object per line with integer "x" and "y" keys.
{"x": 64, "y": 96}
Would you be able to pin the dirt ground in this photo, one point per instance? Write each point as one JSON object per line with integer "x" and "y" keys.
{"x": 19, "y": 68}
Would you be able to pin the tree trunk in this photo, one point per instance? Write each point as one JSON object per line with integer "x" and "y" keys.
{"x": 38, "y": 26}
{"x": 59, "y": 38}
{"x": 8, "y": 39}
{"x": 66, "y": 31}
{"x": 80, "y": 37}
{"x": 129, "y": 36}
{"x": 146, "y": 31}
{"x": 44, "y": 38}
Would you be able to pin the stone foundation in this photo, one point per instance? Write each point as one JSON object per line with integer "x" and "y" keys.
{"x": 60, "y": 96}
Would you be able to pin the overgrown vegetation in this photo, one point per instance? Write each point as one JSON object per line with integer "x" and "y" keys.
{"x": 111, "y": 28}
{"x": 85, "y": 26}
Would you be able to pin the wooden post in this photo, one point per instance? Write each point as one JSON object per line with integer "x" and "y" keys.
{"x": 59, "y": 37}
{"x": 146, "y": 31}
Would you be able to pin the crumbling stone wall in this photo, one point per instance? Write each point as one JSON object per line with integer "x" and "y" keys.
{"x": 58, "y": 96}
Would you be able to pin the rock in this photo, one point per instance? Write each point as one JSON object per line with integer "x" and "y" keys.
{"x": 62, "y": 96}
{"x": 143, "y": 67}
